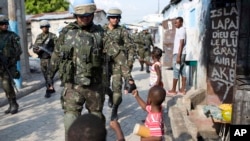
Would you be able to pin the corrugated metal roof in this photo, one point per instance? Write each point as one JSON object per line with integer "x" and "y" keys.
{"x": 53, "y": 16}
{"x": 50, "y": 16}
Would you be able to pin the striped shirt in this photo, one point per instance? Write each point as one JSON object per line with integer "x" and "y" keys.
{"x": 154, "y": 122}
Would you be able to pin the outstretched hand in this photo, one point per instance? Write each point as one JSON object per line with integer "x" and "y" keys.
{"x": 135, "y": 93}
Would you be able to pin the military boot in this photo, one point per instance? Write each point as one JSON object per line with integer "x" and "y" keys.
{"x": 147, "y": 69}
{"x": 47, "y": 94}
{"x": 142, "y": 67}
{"x": 114, "y": 115}
{"x": 14, "y": 106}
{"x": 8, "y": 110}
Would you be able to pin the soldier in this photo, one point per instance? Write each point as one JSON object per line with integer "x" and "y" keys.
{"x": 135, "y": 37}
{"x": 43, "y": 47}
{"x": 119, "y": 46}
{"x": 80, "y": 51}
{"x": 10, "y": 51}
{"x": 145, "y": 44}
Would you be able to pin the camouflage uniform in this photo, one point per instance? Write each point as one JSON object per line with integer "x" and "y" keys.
{"x": 47, "y": 41}
{"x": 145, "y": 44}
{"x": 10, "y": 51}
{"x": 137, "y": 41}
{"x": 80, "y": 68}
{"x": 120, "y": 47}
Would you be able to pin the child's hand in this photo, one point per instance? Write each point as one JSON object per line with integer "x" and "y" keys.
{"x": 135, "y": 93}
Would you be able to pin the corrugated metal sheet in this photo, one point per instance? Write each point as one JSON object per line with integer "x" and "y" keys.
{"x": 53, "y": 16}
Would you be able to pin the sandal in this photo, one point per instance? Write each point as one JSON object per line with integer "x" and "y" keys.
{"x": 182, "y": 93}
{"x": 171, "y": 93}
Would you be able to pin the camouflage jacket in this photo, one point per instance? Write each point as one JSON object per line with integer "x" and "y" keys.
{"x": 138, "y": 39}
{"x": 10, "y": 48}
{"x": 117, "y": 41}
{"x": 80, "y": 53}
{"x": 148, "y": 40}
{"x": 47, "y": 41}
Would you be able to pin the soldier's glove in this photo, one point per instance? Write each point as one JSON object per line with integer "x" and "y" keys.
{"x": 129, "y": 85}
{"x": 36, "y": 49}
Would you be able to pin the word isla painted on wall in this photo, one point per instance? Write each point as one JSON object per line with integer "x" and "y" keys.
{"x": 223, "y": 12}
{"x": 223, "y": 49}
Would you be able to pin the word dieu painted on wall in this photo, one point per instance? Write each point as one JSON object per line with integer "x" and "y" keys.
{"x": 223, "y": 50}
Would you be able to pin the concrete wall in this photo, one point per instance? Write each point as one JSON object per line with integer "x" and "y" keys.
{"x": 3, "y": 7}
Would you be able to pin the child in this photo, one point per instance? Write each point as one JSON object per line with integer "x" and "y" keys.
{"x": 154, "y": 119}
{"x": 89, "y": 127}
{"x": 155, "y": 69}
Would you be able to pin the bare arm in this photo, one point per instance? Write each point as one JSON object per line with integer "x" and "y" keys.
{"x": 118, "y": 131}
{"x": 139, "y": 100}
{"x": 178, "y": 60}
{"x": 148, "y": 63}
{"x": 158, "y": 72}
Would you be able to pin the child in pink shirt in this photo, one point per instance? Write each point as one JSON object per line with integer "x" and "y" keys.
{"x": 154, "y": 119}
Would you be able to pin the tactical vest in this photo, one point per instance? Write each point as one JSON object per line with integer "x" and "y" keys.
{"x": 6, "y": 48}
{"x": 113, "y": 41}
{"x": 10, "y": 49}
{"x": 81, "y": 55}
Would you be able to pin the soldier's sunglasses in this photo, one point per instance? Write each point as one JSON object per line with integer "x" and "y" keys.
{"x": 44, "y": 26}
{"x": 115, "y": 17}
{"x": 85, "y": 15}
{"x": 4, "y": 23}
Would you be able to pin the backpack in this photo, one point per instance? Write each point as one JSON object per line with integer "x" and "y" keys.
{"x": 81, "y": 55}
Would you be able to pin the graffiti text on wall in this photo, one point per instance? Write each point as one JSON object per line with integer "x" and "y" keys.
{"x": 223, "y": 50}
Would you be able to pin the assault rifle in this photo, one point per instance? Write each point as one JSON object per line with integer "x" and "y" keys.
{"x": 3, "y": 63}
{"x": 41, "y": 48}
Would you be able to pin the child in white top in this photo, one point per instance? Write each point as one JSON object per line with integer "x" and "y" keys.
{"x": 155, "y": 69}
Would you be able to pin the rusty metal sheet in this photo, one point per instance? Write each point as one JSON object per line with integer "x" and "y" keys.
{"x": 168, "y": 41}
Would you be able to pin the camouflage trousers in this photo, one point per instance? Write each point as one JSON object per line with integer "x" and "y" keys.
{"x": 46, "y": 69}
{"x": 6, "y": 85}
{"x": 144, "y": 54}
{"x": 119, "y": 72}
{"x": 74, "y": 97}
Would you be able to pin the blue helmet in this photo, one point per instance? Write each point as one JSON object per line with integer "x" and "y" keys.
{"x": 82, "y": 7}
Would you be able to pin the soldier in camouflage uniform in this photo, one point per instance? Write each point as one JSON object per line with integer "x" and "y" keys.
{"x": 145, "y": 45}
{"x": 80, "y": 51}
{"x": 137, "y": 41}
{"x": 43, "y": 47}
{"x": 10, "y": 51}
{"x": 119, "y": 46}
